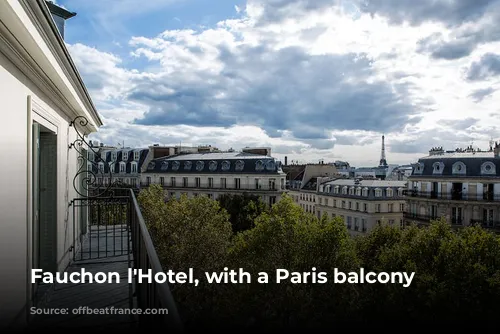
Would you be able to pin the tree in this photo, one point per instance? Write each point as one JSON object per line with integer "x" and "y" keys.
{"x": 189, "y": 233}
{"x": 457, "y": 273}
{"x": 243, "y": 210}
{"x": 289, "y": 238}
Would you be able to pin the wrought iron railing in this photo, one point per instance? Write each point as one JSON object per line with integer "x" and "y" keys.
{"x": 150, "y": 295}
{"x": 493, "y": 224}
{"x": 454, "y": 195}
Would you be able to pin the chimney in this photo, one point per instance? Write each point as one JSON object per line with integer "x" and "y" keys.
{"x": 286, "y": 161}
{"x": 60, "y": 15}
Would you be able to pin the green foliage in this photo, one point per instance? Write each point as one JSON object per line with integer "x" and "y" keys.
{"x": 188, "y": 233}
{"x": 243, "y": 210}
{"x": 457, "y": 272}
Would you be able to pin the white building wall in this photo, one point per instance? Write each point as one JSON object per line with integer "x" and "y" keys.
{"x": 15, "y": 204}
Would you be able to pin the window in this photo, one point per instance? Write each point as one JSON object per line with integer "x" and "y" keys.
{"x": 91, "y": 156}
{"x": 237, "y": 183}
{"x": 365, "y": 192}
{"x": 185, "y": 182}
{"x": 133, "y": 167}
{"x": 256, "y": 183}
{"x": 133, "y": 182}
{"x": 365, "y": 207}
{"x": 210, "y": 182}
{"x": 113, "y": 156}
{"x": 223, "y": 182}
{"x": 172, "y": 181}
{"x": 350, "y": 205}
{"x": 389, "y": 192}
{"x": 358, "y": 191}
{"x": 401, "y": 207}
{"x": 148, "y": 180}
{"x": 344, "y": 190}
{"x": 198, "y": 182}
{"x": 343, "y": 204}
{"x": 272, "y": 184}
{"x": 272, "y": 200}
{"x": 334, "y": 203}
{"x": 378, "y": 192}
{"x": 351, "y": 191}
{"x": 390, "y": 207}
{"x": 103, "y": 156}
{"x": 356, "y": 224}
{"x": 101, "y": 167}
{"x": 391, "y": 222}
{"x": 172, "y": 195}
{"x": 363, "y": 225}
{"x": 162, "y": 180}
{"x": 357, "y": 206}
{"x": 320, "y": 201}
{"x": 124, "y": 156}
{"x": 349, "y": 222}
{"x": 211, "y": 196}
{"x": 112, "y": 167}
{"x": 377, "y": 208}
{"x": 122, "y": 168}
{"x": 136, "y": 155}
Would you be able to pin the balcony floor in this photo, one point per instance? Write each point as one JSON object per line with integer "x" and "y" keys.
{"x": 72, "y": 296}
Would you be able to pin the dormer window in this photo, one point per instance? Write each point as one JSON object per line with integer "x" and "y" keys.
{"x": 437, "y": 168}
{"x": 103, "y": 156}
{"x": 488, "y": 168}
{"x": 124, "y": 156}
{"x": 101, "y": 167}
{"x": 365, "y": 192}
{"x": 344, "y": 190}
{"x": 137, "y": 155}
{"x": 378, "y": 192}
{"x": 358, "y": 191}
{"x": 351, "y": 191}
{"x": 112, "y": 167}
{"x": 459, "y": 168}
{"x": 336, "y": 190}
{"x": 113, "y": 156}
{"x": 122, "y": 167}
{"x": 400, "y": 191}
{"x": 419, "y": 168}
{"x": 133, "y": 167}
{"x": 389, "y": 192}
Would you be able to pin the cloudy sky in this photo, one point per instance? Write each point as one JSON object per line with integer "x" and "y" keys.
{"x": 313, "y": 79}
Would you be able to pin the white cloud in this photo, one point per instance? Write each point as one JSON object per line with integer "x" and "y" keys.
{"x": 313, "y": 81}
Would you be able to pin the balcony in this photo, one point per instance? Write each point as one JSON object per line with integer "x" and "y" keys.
{"x": 419, "y": 217}
{"x": 215, "y": 188}
{"x": 488, "y": 224}
{"x": 453, "y": 196}
{"x": 115, "y": 238}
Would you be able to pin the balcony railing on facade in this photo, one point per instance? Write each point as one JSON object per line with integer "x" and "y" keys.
{"x": 454, "y": 196}
{"x": 427, "y": 218}
{"x": 489, "y": 224}
{"x": 203, "y": 186}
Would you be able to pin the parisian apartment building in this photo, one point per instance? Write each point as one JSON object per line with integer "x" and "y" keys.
{"x": 213, "y": 173}
{"x": 304, "y": 185}
{"x": 461, "y": 185}
{"x": 362, "y": 203}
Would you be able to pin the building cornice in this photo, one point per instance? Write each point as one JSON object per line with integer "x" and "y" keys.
{"x": 18, "y": 41}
